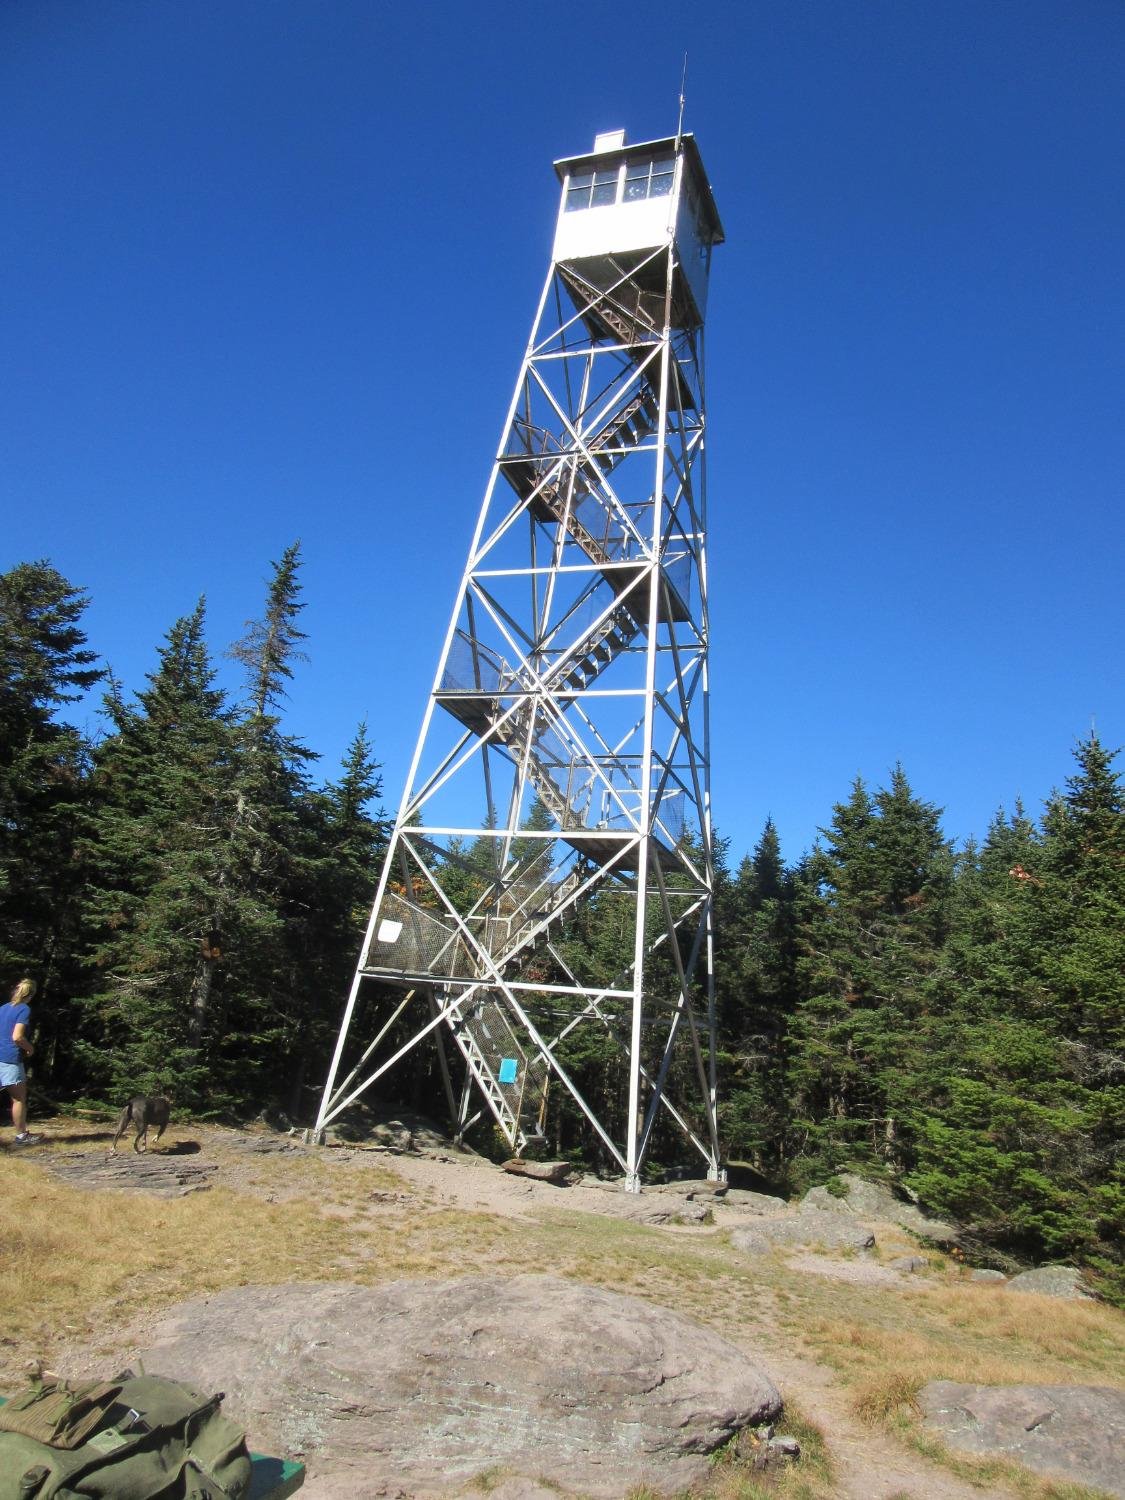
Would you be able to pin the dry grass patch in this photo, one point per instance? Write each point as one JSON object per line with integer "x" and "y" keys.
{"x": 954, "y": 1331}
{"x": 1069, "y": 1331}
{"x": 940, "y": 1336}
{"x": 80, "y": 1266}
{"x": 877, "y": 1399}
{"x": 887, "y": 1344}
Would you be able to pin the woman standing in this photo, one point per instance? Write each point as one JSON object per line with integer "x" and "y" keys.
{"x": 15, "y": 1045}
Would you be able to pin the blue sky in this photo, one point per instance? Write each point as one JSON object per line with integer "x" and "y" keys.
{"x": 269, "y": 267}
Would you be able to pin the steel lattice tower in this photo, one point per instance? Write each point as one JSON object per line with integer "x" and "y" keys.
{"x": 561, "y": 774}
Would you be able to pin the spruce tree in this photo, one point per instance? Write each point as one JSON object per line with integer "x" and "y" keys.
{"x": 873, "y": 906}
{"x": 44, "y": 665}
{"x": 755, "y": 991}
{"x": 327, "y": 914}
{"x": 281, "y": 851}
{"x": 1020, "y": 1115}
{"x": 269, "y": 648}
{"x": 161, "y": 902}
{"x": 1083, "y": 893}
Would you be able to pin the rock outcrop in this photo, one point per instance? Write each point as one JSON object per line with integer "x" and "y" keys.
{"x": 745, "y": 1201}
{"x": 870, "y": 1200}
{"x": 833, "y": 1231}
{"x": 418, "y": 1386}
{"x": 1076, "y": 1431}
{"x": 167, "y": 1173}
{"x": 1050, "y": 1281}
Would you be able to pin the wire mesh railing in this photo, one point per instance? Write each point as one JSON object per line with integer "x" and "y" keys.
{"x": 412, "y": 939}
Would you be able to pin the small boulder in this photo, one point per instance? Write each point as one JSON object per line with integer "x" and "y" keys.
{"x": 820, "y": 1197}
{"x": 557, "y": 1172}
{"x": 1050, "y": 1281}
{"x": 753, "y": 1203}
{"x": 692, "y": 1187}
{"x": 392, "y": 1135}
{"x": 683, "y": 1211}
{"x": 984, "y": 1275}
{"x": 786, "y": 1448}
{"x": 759, "y": 1448}
{"x": 602, "y": 1184}
{"x": 751, "y": 1242}
{"x": 909, "y": 1263}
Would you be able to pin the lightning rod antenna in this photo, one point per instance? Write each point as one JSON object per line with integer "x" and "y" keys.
{"x": 680, "y": 120}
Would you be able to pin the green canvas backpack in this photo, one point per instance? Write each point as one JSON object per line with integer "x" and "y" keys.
{"x": 138, "y": 1437}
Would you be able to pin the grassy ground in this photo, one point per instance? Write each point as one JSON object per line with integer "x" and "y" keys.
{"x": 80, "y": 1266}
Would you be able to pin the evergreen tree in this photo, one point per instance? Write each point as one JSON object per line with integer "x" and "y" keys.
{"x": 192, "y": 844}
{"x": 161, "y": 898}
{"x": 1011, "y": 849}
{"x": 44, "y": 664}
{"x": 1083, "y": 897}
{"x": 229, "y": 894}
{"x": 269, "y": 647}
{"x": 1020, "y": 1120}
{"x": 467, "y": 872}
{"x": 327, "y": 916}
{"x": 755, "y": 994}
{"x": 279, "y": 853}
{"x": 873, "y": 906}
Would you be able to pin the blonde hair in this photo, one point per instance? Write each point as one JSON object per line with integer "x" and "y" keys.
{"x": 23, "y": 991}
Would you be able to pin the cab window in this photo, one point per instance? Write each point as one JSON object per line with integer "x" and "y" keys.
{"x": 649, "y": 179}
{"x": 592, "y": 189}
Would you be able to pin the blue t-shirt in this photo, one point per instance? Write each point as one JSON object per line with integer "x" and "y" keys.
{"x": 10, "y": 1017}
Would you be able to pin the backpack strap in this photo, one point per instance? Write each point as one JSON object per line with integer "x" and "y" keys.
{"x": 58, "y": 1413}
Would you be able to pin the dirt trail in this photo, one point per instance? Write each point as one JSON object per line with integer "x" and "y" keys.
{"x": 869, "y": 1465}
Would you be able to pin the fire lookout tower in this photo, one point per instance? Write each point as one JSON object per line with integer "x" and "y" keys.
{"x": 560, "y": 782}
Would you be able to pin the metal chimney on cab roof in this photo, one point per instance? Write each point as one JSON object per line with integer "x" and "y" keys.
{"x": 560, "y": 786}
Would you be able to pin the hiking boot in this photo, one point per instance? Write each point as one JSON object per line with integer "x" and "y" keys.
{"x": 27, "y": 1139}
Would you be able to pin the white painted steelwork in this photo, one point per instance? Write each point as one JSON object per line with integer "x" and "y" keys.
{"x": 560, "y": 783}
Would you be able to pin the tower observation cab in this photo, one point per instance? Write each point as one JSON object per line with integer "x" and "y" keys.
{"x": 561, "y": 779}
{"x": 620, "y": 203}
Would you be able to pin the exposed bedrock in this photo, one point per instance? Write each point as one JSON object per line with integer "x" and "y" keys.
{"x": 415, "y": 1387}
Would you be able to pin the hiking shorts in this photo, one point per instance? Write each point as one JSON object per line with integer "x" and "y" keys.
{"x": 11, "y": 1074}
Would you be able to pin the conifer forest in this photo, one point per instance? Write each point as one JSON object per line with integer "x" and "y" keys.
{"x": 190, "y": 892}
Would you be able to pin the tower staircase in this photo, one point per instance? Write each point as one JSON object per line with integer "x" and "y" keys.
{"x": 561, "y": 483}
{"x": 522, "y": 729}
{"x": 503, "y": 706}
{"x": 513, "y": 1081}
{"x": 626, "y": 311}
{"x": 537, "y": 466}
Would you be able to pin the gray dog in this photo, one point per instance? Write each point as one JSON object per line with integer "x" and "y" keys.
{"x": 141, "y": 1112}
